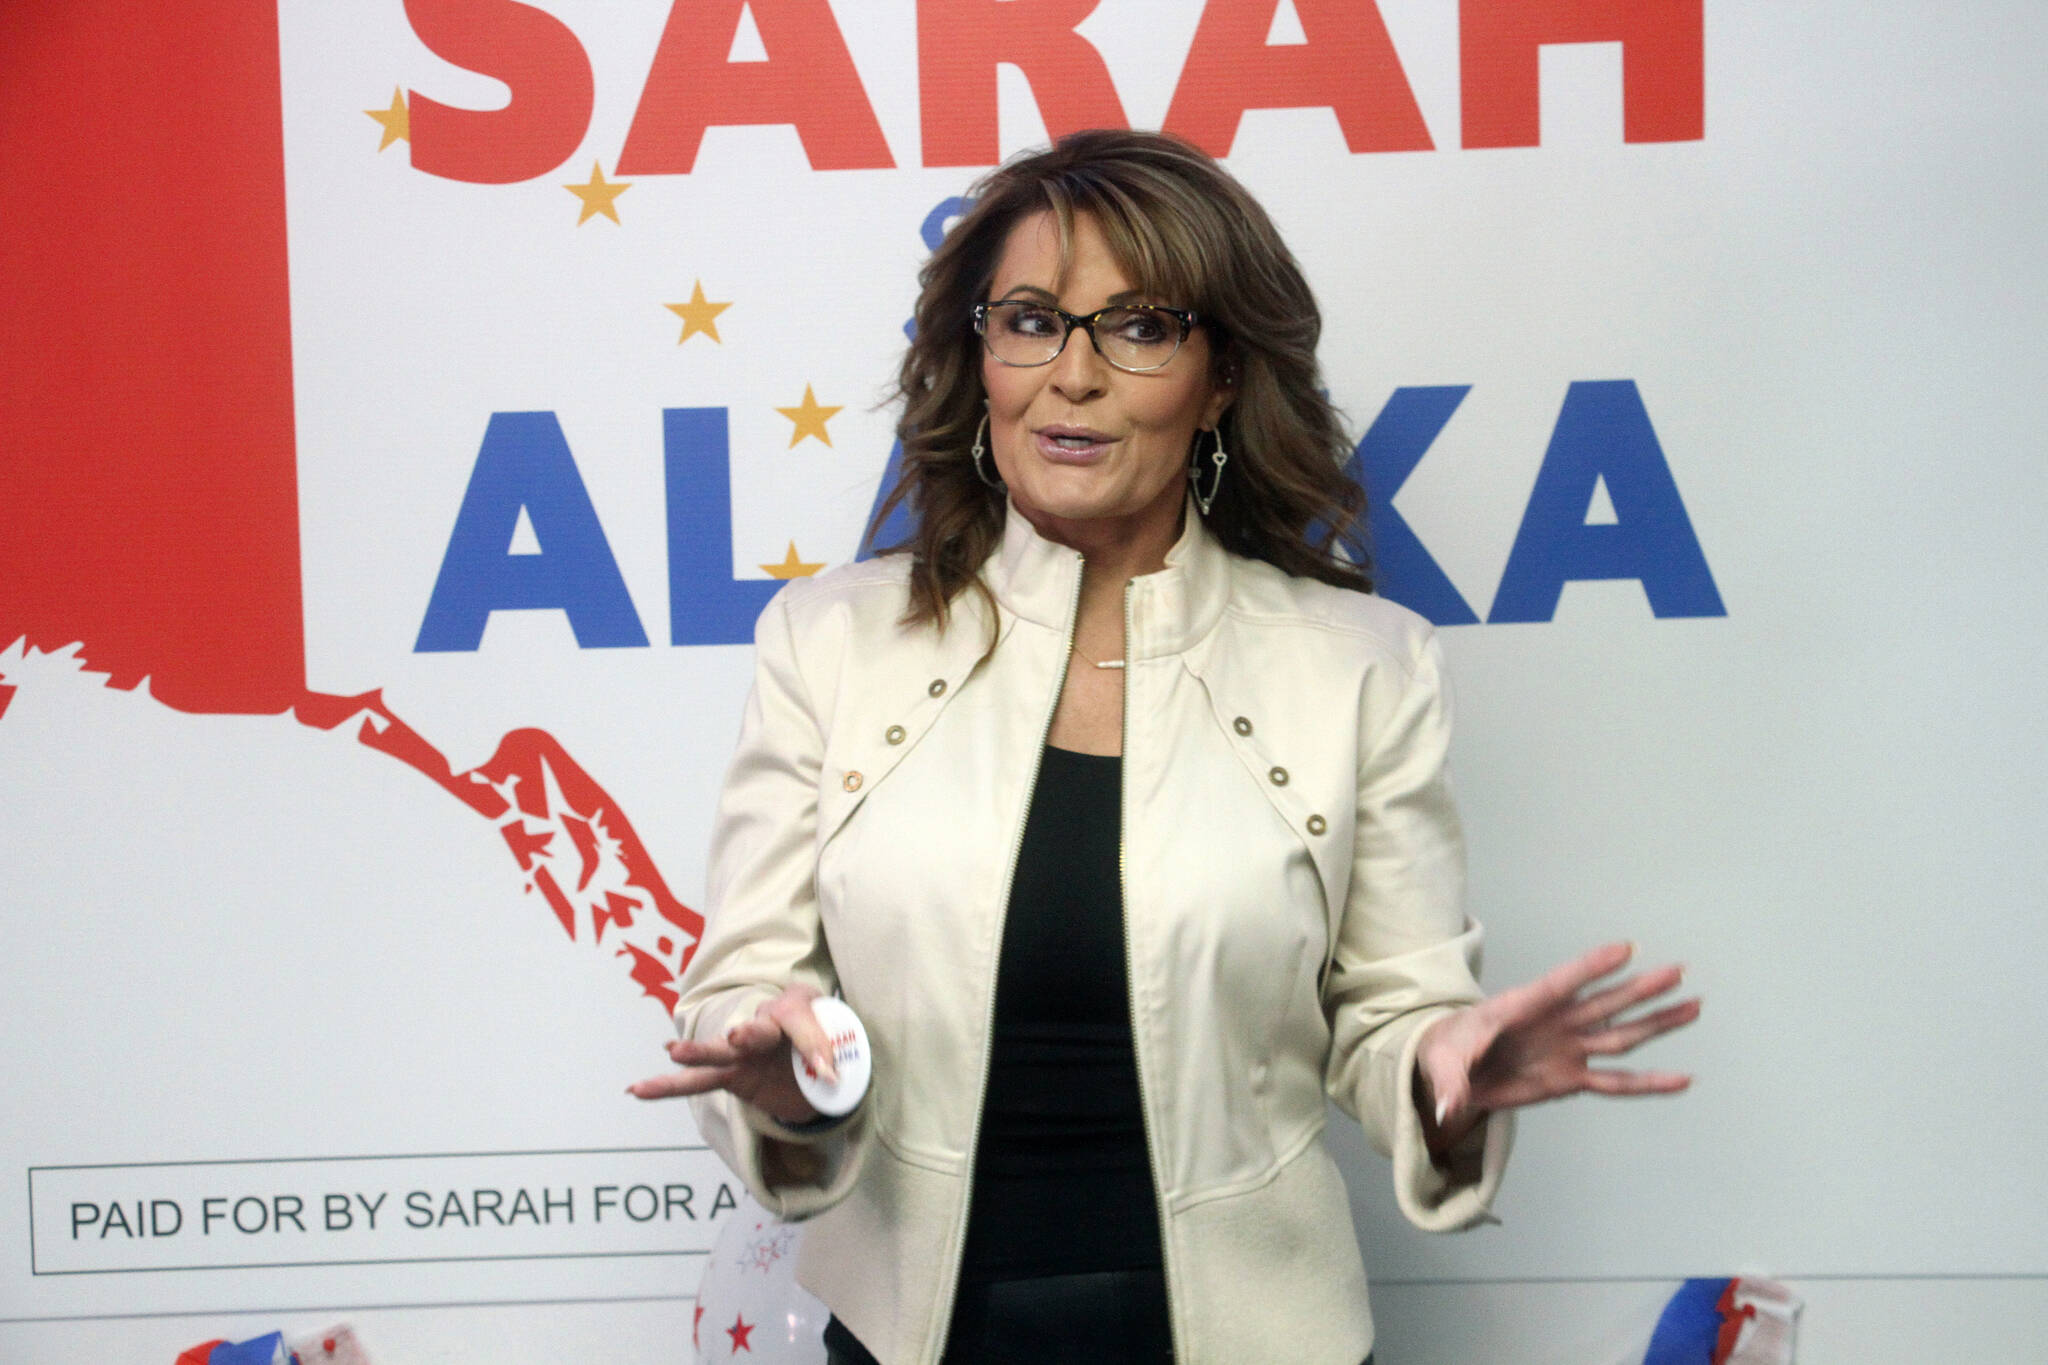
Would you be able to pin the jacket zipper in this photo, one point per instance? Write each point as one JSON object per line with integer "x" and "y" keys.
{"x": 1131, "y": 989}
{"x": 944, "y": 1324}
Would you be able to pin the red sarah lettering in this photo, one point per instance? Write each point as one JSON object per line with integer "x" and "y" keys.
{"x": 1347, "y": 65}
{"x": 808, "y": 81}
{"x": 959, "y": 43}
{"x": 1663, "y": 96}
{"x": 532, "y": 52}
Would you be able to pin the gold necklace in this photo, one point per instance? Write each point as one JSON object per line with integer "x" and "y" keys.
{"x": 1105, "y": 663}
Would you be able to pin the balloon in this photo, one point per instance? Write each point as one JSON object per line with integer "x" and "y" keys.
{"x": 749, "y": 1305}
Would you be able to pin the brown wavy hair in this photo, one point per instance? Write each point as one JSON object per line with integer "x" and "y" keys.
{"x": 1186, "y": 233}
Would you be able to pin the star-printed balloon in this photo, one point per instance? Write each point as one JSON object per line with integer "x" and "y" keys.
{"x": 749, "y": 1305}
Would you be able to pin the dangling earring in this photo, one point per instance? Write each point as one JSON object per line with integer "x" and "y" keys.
{"x": 980, "y": 450}
{"x": 1221, "y": 458}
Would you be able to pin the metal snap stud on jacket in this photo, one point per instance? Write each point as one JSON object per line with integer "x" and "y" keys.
{"x": 894, "y": 735}
{"x": 1279, "y": 777}
{"x": 1316, "y": 824}
{"x": 938, "y": 687}
{"x": 852, "y": 782}
{"x": 1241, "y": 725}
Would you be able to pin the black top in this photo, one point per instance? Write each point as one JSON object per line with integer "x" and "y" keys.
{"x": 1062, "y": 1179}
{"x": 1062, "y": 1258}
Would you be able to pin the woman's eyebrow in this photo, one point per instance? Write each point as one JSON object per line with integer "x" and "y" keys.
{"x": 1121, "y": 296}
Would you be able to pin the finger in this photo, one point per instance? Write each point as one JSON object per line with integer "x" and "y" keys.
{"x": 1606, "y": 1004}
{"x": 1636, "y": 1082}
{"x": 671, "y": 1085}
{"x": 1569, "y": 978}
{"x": 753, "y": 1037}
{"x": 1446, "y": 1054}
{"x": 1450, "y": 1088}
{"x": 793, "y": 1012}
{"x": 1625, "y": 1037}
{"x": 695, "y": 1052}
{"x": 1452, "y": 1101}
{"x": 1559, "y": 986}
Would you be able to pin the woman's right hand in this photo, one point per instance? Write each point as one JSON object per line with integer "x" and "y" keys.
{"x": 752, "y": 1060}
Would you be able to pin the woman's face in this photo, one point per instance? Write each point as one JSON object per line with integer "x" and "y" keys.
{"x": 1088, "y": 450}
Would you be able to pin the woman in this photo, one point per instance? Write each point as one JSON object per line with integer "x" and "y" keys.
{"x": 1115, "y": 806}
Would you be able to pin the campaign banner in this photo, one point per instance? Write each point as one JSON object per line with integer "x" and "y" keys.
{"x": 409, "y": 407}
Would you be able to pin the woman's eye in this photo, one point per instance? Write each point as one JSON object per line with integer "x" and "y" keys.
{"x": 1032, "y": 322}
{"x": 1142, "y": 328}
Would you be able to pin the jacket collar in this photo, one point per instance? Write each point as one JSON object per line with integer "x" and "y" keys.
{"x": 1039, "y": 580}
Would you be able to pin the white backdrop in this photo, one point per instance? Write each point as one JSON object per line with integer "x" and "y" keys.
{"x": 265, "y": 947}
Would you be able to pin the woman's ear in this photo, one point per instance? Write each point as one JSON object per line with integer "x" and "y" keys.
{"x": 1223, "y": 392}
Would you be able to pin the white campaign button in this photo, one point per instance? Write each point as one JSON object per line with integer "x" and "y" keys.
{"x": 850, "y": 1057}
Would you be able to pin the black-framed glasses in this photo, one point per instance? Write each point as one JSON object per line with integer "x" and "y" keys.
{"x": 1134, "y": 337}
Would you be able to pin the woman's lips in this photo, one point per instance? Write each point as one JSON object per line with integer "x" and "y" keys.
{"x": 1072, "y": 445}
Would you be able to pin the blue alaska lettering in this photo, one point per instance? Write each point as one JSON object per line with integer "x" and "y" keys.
{"x": 1603, "y": 436}
{"x": 525, "y": 463}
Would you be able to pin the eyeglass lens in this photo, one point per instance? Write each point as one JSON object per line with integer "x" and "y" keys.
{"x": 1019, "y": 332}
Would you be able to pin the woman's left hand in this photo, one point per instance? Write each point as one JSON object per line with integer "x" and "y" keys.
{"x": 1536, "y": 1042}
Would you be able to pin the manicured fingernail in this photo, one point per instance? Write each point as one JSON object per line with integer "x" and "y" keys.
{"x": 1442, "y": 1107}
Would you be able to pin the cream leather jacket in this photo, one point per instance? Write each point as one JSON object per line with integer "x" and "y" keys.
{"x": 1292, "y": 870}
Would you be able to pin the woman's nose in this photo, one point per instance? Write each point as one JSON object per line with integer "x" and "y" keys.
{"x": 1079, "y": 371}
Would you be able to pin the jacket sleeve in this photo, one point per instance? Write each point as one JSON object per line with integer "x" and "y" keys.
{"x": 1405, "y": 953}
{"x": 762, "y": 931}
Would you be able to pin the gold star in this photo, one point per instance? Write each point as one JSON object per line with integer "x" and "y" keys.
{"x": 810, "y": 417}
{"x": 396, "y": 121}
{"x": 791, "y": 566}
{"x": 698, "y": 315}
{"x": 597, "y": 196}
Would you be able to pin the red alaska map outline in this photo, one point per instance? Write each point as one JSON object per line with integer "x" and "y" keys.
{"x": 149, "y": 489}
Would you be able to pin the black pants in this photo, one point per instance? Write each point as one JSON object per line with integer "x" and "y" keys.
{"x": 1106, "y": 1318}
{"x": 858, "y": 1356}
